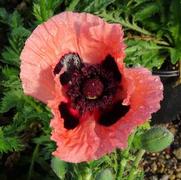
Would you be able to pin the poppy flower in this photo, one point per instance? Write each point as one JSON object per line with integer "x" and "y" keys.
{"x": 74, "y": 64}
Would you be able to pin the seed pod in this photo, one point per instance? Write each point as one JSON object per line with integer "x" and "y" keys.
{"x": 156, "y": 139}
{"x": 105, "y": 174}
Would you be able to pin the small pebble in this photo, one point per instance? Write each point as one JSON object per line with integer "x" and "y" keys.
{"x": 178, "y": 175}
{"x": 154, "y": 167}
{"x": 172, "y": 177}
{"x": 173, "y": 130}
{"x": 165, "y": 177}
{"x": 154, "y": 178}
{"x": 177, "y": 153}
{"x": 178, "y": 169}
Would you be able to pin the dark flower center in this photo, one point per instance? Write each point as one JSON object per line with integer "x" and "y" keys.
{"x": 89, "y": 87}
{"x": 93, "y": 88}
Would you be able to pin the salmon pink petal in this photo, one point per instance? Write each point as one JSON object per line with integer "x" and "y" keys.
{"x": 147, "y": 94}
{"x": 78, "y": 144}
{"x": 143, "y": 102}
{"x": 92, "y": 34}
{"x": 81, "y": 33}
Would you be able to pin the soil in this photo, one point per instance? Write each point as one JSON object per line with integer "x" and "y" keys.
{"x": 165, "y": 165}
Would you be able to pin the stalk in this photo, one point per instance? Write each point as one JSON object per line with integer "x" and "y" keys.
{"x": 124, "y": 160}
{"x": 135, "y": 164}
{"x": 32, "y": 161}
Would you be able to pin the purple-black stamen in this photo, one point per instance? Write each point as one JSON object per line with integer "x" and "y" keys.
{"x": 89, "y": 87}
{"x": 92, "y": 88}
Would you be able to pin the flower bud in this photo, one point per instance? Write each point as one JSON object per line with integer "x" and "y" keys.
{"x": 156, "y": 139}
{"x": 105, "y": 174}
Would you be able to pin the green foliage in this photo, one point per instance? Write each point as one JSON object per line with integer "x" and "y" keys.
{"x": 11, "y": 99}
{"x": 88, "y": 5}
{"x": 22, "y": 115}
{"x": 17, "y": 36}
{"x": 149, "y": 25}
{"x": 138, "y": 135}
{"x": 147, "y": 11}
{"x": 175, "y": 54}
{"x": 72, "y": 5}
{"x": 146, "y": 17}
{"x": 44, "y": 9}
{"x": 10, "y": 143}
{"x": 174, "y": 26}
{"x": 144, "y": 53}
{"x": 10, "y": 78}
{"x": 13, "y": 20}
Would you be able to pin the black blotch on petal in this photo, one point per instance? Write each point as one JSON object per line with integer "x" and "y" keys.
{"x": 110, "y": 64}
{"x": 70, "y": 122}
{"x": 58, "y": 68}
{"x": 65, "y": 78}
{"x": 108, "y": 118}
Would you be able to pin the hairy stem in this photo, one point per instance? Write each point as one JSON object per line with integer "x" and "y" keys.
{"x": 136, "y": 162}
{"x": 125, "y": 157}
{"x": 32, "y": 161}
